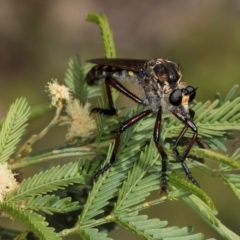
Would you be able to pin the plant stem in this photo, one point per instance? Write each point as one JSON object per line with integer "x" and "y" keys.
{"x": 77, "y": 228}
{"x": 51, "y": 155}
{"x": 26, "y": 148}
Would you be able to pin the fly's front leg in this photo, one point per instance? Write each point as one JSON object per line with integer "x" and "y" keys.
{"x": 156, "y": 137}
{"x": 110, "y": 81}
{"x": 188, "y": 122}
{"x": 180, "y": 136}
{"x": 123, "y": 127}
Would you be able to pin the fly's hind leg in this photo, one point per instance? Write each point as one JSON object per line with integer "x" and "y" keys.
{"x": 123, "y": 127}
{"x": 111, "y": 82}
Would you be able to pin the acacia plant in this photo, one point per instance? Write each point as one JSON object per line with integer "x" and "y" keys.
{"x": 60, "y": 201}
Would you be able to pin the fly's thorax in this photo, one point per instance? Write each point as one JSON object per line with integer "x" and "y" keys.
{"x": 158, "y": 79}
{"x": 164, "y": 72}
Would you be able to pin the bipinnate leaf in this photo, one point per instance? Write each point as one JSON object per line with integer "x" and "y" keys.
{"x": 209, "y": 216}
{"x": 106, "y": 33}
{"x": 152, "y": 229}
{"x": 13, "y": 128}
{"x": 31, "y": 220}
{"x": 51, "y": 203}
{"x": 48, "y": 181}
{"x": 93, "y": 234}
{"x": 75, "y": 80}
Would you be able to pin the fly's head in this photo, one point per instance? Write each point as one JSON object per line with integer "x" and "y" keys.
{"x": 168, "y": 76}
{"x": 182, "y": 97}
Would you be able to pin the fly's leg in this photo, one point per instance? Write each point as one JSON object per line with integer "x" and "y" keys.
{"x": 156, "y": 137}
{"x": 123, "y": 127}
{"x": 109, "y": 81}
{"x": 188, "y": 122}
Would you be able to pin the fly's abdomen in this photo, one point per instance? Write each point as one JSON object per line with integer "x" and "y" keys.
{"x": 97, "y": 74}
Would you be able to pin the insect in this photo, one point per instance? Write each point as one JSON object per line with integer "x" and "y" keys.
{"x": 161, "y": 82}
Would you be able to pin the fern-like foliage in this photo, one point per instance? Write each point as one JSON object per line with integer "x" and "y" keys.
{"x": 232, "y": 180}
{"x": 139, "y": 184}
{"x": 93, "y": 234}
{"x": 51, "y": 204}
{"x": 106, "y": 33}
{"x": 107, "y": 185}
{"x": 122, "y": 192}
{"x": 154, "y": 228}
{"x": 133, "y": 191}
{"x": 48, "y": 181}
{"x": 34, "y": 221}
{"x": 136, "y": 188}
{"x": 21, "y": 236}
{"x": 75, "y": 80}
{"x": 13, "y": 128}
{"x": 209, "y": 216}
{"x": 29, "y": 196}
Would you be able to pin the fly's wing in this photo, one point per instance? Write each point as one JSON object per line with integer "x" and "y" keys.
{"x": 134, "y": 65}
{"x": 107, "y": 66}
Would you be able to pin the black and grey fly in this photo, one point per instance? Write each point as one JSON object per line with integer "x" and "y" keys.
{"x": 161, "y": 82}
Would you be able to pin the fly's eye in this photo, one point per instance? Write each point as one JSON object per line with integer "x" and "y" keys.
{"x": 175, "y": 97}
{"x": 191, "y": 91}
{"x": 171, "y": 69}
{"x": 159, "y": 70}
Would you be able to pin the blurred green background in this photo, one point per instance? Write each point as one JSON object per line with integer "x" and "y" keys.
{"x": 37, "y": 38}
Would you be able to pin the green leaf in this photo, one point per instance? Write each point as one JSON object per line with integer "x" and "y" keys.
{"x": 48, "y": 181}
{"x": 13, "y": 128}
{"x": 32, "y": 220}
{"x": 231, "y": 94}
{"x": 190, "y": 187}
{"x": 209, "y": 154}
{"x": 106, "y": 33}
{"x": 154, "y": 228}
{"x": 108, "y": 184}
{"x": 103, "y": 190}
{"x": 233, "y": 182}
{"x": 75, "y": 80}
{"x": 51, "y": 203}
{"x": 93, "y": 234}
{"x": 208, "y": 216}
{"x": 137, "y": 187}
{"x": 236, "y": 155}
{"x": 21, "y": 236}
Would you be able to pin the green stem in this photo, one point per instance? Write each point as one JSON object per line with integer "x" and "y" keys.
{"x": 78, "y": 227}
{"x": 26, "y": 148}
{"x": 55, "y": 154}
{"x": 205, "y": 168}
{"x": 67, "y": 232}
{"x": 148, "y": 204}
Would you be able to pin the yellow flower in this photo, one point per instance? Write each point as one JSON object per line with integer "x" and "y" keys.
{"x": 81, "y": 124}
{"x": 57, "y": 92}
{"x": 7, "y": 181}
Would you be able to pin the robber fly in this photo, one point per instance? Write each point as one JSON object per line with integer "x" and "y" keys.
{"x": 161, "y": 82}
